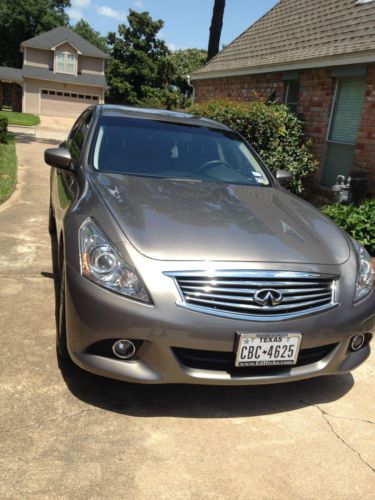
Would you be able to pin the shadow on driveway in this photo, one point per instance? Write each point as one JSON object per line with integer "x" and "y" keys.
{"x": 196, "y": 401}
{"x": 28, "y": 139}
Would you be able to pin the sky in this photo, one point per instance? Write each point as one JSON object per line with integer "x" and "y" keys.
{"x": 187, "y": 22}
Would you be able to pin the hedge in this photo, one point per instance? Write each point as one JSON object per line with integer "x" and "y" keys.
{"x": 3, "y": 130}
{"x": 359, "y": 222}
{"x": 272, "y": 129}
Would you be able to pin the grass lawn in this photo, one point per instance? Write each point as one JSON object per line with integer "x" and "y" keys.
{"x": 8, "y": 168}
{"x": 15, "y": 118}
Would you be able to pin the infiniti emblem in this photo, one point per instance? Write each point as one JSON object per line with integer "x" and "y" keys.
{"x": 268, "y": 297}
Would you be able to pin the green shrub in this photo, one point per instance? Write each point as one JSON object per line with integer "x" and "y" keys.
{"x": 274, "y": 132}
{"x": 162, "y": 99}
{"x": 359, "y": 222}
{"x": 3, "y": 130}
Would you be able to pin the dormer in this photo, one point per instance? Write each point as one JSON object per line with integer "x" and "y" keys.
{"x": 65, "y": 59}
{"x": 63, "y": 52}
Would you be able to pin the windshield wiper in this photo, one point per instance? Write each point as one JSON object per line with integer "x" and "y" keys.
{"x": 184, "y": 179}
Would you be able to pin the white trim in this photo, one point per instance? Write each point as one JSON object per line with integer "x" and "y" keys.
{"x": 24, "y": 56}
{"x": 342, "y": 60}
{"x": 65, "y": 63}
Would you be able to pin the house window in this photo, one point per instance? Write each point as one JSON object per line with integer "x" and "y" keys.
{"x": 65, "y": 63}
{"x": 344, "y": 127}
{"x": 292, "y": 95}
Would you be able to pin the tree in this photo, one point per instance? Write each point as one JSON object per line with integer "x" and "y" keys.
{"x": 24, "y": 19}
{"x": 139, "y": 64}
{"x": 83, "y": 29}
{"x": 215, "y": 29}
{"x": 184, "y": 63}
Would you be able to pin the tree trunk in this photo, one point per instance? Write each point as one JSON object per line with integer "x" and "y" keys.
{"x": 215, "y": 29}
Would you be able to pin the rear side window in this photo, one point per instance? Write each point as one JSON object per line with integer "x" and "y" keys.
{"x": 162, "y": 149}
{"x": 78, "y": 134}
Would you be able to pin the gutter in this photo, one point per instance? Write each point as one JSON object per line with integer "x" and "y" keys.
{"x": 188, "y": 81}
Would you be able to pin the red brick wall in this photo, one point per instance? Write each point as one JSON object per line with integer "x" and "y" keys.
{"x": 315, "y": 102}
{"x": 240, "y": 88}
{"x": 364, "y": 158}
{"x": 316, "y": 97}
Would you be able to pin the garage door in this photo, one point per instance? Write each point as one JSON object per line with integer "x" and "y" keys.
{"x": 53, "y": 102}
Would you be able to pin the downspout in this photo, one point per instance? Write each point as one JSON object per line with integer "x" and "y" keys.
{"x": 188, "y": 80}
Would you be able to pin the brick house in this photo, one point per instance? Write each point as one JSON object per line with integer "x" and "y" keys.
{"x": 317, "y": 56}
{"x": 62, "y": 74}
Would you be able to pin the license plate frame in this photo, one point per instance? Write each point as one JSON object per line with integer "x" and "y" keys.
{"x": 265, "y": 341}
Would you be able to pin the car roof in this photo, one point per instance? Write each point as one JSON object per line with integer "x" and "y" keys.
{"x": 159, "y": 115}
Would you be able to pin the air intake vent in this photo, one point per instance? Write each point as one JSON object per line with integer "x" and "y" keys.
{"x": 268, "y": 295}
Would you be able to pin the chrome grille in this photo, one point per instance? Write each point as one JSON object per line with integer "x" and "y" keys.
{"x": 229, "y": 293}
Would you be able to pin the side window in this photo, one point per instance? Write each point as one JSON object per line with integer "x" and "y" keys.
{"x": 78, "y": 134}
{"x": 292, "y": 95}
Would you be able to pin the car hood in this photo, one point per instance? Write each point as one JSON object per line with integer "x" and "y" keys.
{"x": 183, "y": 220}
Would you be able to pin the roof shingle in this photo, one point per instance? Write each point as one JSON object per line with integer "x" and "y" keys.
{"x": 62, "y": 34}
{"x": 46, "y": 74}
{"x": 297, "y": 31}
{"x": 11, "y": 74}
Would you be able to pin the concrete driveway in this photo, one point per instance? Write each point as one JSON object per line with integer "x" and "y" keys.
{"x": 68, "y": 434}
{"x": 50, "y": 127}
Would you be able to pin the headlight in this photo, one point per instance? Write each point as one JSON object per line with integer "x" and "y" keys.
{"x": 101, "y": 263}
{"x": 365, "y": 274}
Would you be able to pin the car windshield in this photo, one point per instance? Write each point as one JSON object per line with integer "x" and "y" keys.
{"x": 162, "y": 149}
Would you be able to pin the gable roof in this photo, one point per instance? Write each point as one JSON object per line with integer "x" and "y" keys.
{"x": 295, "y": 33}
{"x": 59, "y": 35}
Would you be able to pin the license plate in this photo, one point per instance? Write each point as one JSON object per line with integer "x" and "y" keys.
{"x": 267, "y": 349}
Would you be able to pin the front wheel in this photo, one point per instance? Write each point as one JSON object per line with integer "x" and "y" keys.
{"x": 61, "y": 344}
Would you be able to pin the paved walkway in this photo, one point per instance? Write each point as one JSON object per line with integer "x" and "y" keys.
{"x": 68, "y": 434}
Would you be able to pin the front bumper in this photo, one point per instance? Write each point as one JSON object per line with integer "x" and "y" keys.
{"x": 95, "y": 314}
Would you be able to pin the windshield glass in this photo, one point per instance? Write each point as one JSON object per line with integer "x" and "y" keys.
{"x": 170, "y": 150}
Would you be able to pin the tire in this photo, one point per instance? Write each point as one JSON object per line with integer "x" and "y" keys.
{"x": 51, "y": 221}
{"x": 61, "y": 343}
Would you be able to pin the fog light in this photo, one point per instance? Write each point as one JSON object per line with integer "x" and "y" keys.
{"x": 124, "y": 349}
{"x": 357, "y": 342}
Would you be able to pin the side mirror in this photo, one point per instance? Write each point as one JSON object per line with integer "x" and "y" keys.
{"x": 283, "y": 177}
{"x": 58, "y": 157}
